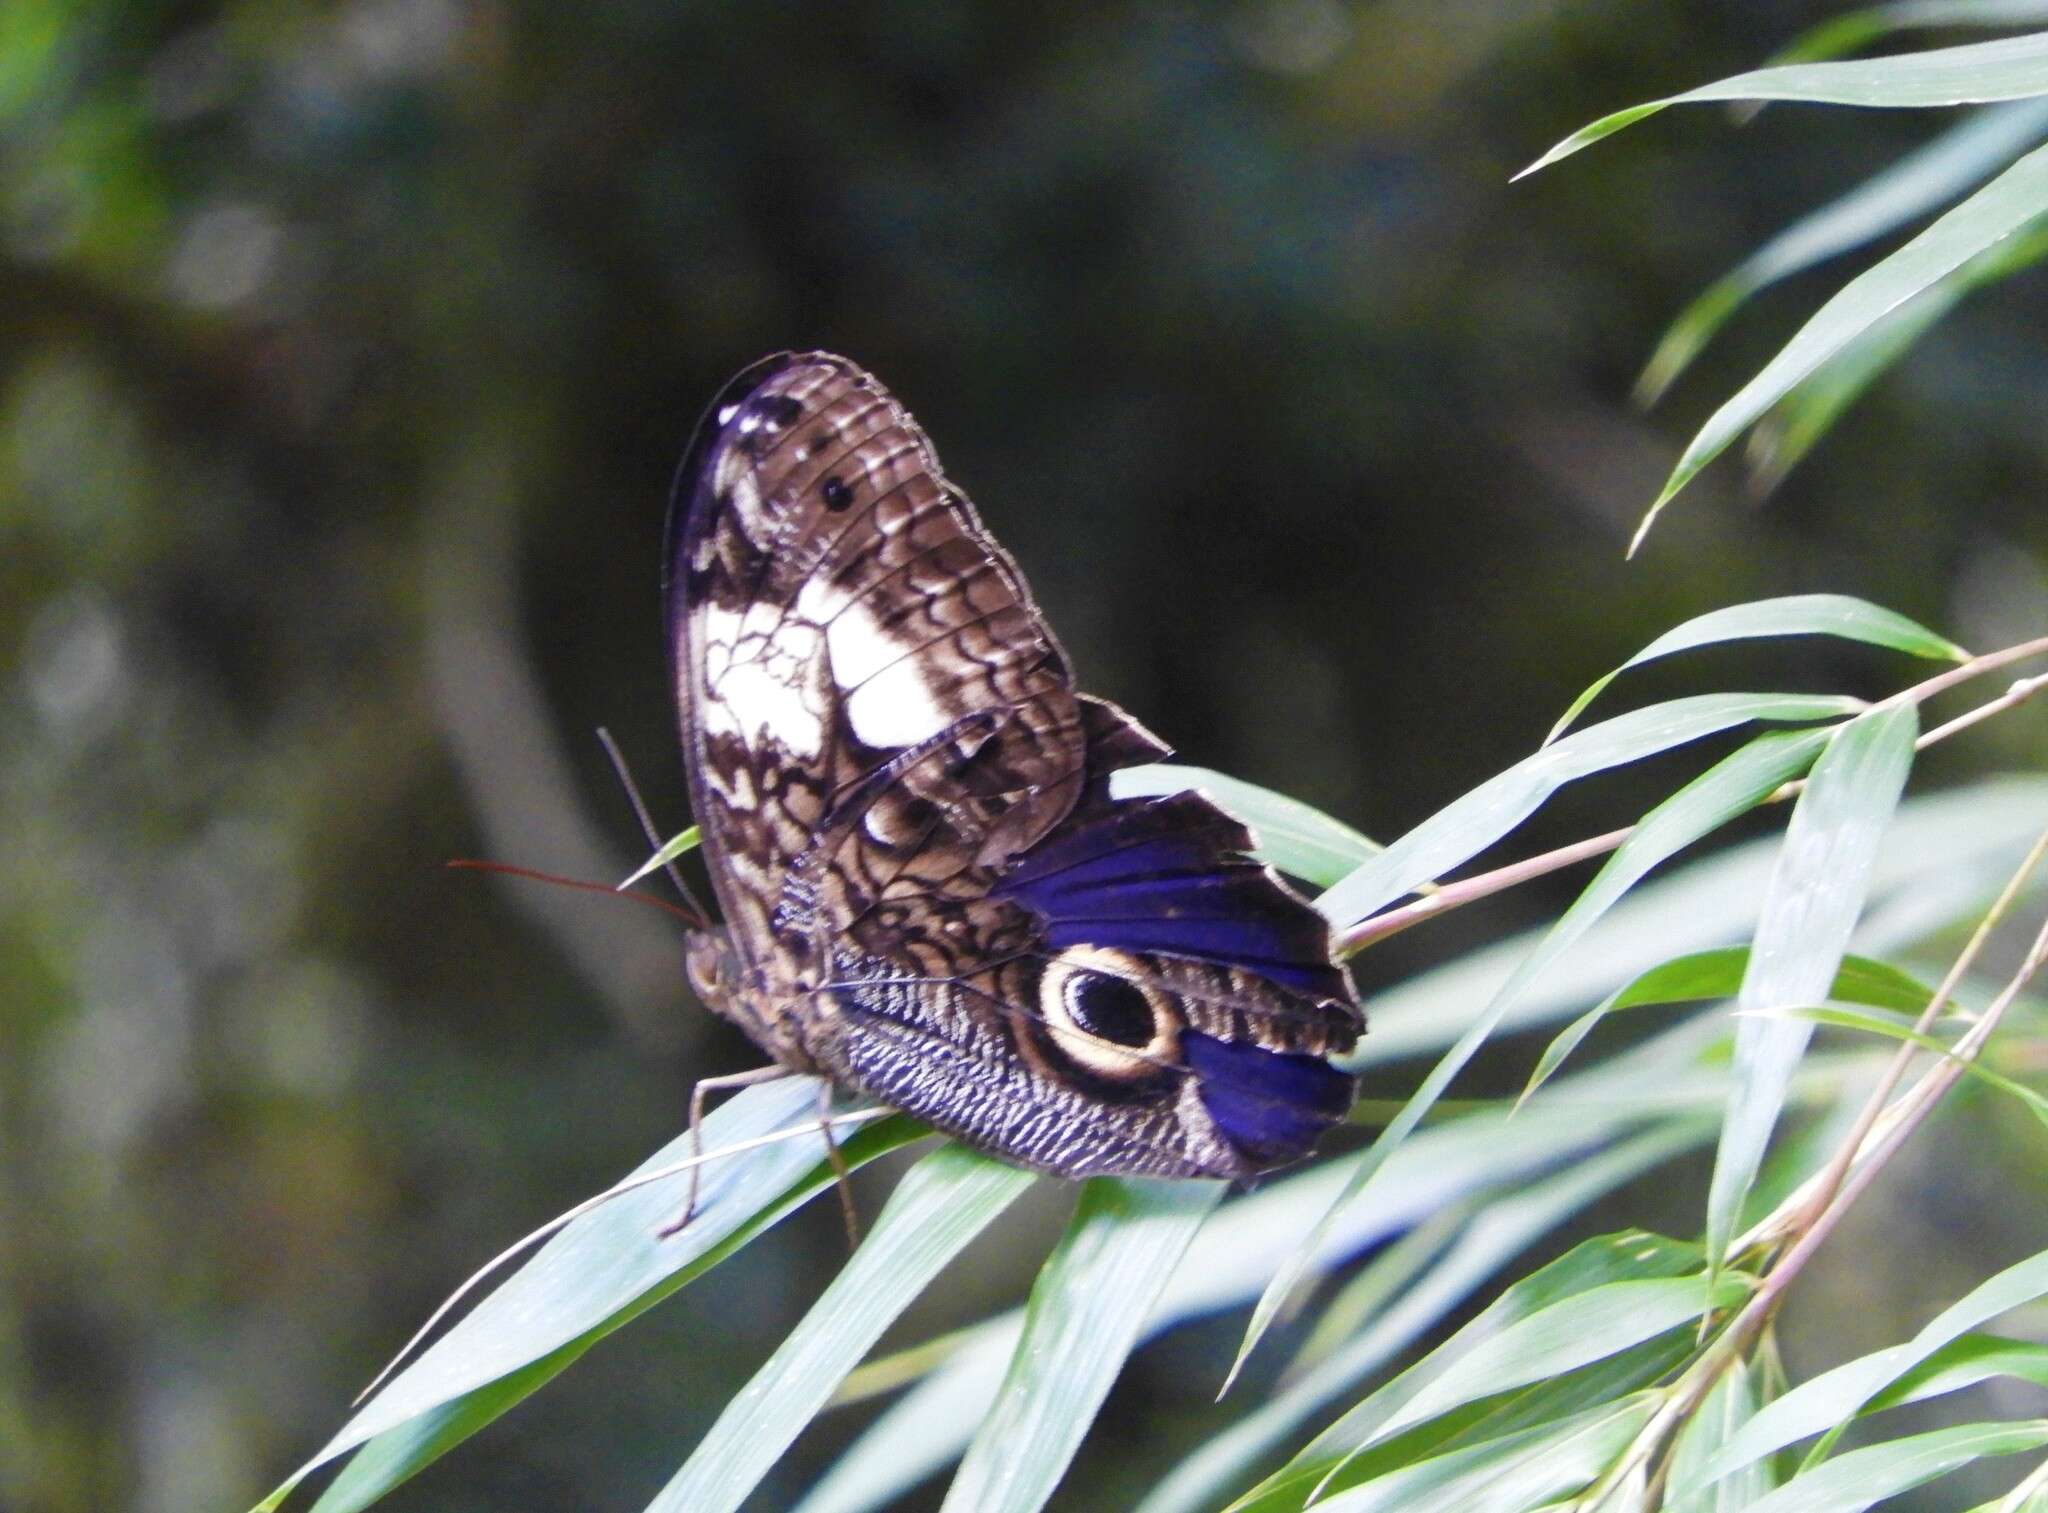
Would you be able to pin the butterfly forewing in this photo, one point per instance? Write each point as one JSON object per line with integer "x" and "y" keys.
{"x": 930, "y": 894}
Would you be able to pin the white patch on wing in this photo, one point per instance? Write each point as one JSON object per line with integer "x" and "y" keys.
{"x": 889, "y": 701}
{"x": 755, "y": 681}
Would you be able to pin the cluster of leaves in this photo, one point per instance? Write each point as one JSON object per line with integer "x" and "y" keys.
{"x": 1635, "y": 1369}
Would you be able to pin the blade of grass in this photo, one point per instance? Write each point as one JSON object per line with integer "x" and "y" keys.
{"x": 1856, "y": 30}
{"x": 1795, "y": 615}
{"x": 674, "y": 847}
{"x": 1508, "y": 1223}
{"x": 1085, "y": 1314}
{"x": 1901, "y": 1029}
{"x": 1797, "y": 422}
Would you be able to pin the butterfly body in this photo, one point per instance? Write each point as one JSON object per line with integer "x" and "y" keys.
{"x": 930, "y": 894}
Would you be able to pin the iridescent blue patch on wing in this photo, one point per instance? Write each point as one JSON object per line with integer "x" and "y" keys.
{"x": 1169, "y": 876}
{"x": 1271, "y": 1105}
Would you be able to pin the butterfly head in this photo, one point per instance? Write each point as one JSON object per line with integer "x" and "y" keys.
{"x": 714, "y": 969}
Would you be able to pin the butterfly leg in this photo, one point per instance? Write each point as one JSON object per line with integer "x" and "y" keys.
{"x": 840, "y": 1174}
{"x": 705, "y": 1087}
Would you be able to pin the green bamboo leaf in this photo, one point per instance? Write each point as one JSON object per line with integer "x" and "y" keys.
{"x": 1085, "y": 1313}
{"x": 1962, "y": 1363}
{"x": 600, "y": 1271}
{"x": 1469, "y": 825}
{"x": 1797, "y": 422}
{"x": 1900, "y": 1028}
{"x": 1513, "y": 1474}
{"x": 1237, "y": 1250}
{"x": 1707, "y": 975}
{"x": 1811, "y": 904}
{"x": 674, "y": 847}
{"x": 1856, "y": 30}
{"x": 2011, "y": 68}
{"x": 1835, "y": 1396}
{"x": 1301, "y": 841}
{"x": 1855, "y": 1481}
{"x": 1730, "y": 788}
{"x": 1917, "y": 183}
{"x": 1505, "y": 1227}
{"x": 1572, "y": 1332}
{"x": 1795, "y": 615}
{"x": 1998, "y": 210}
{"x": 942, "y": 1203}
{"x": 1728, "y": 1407}
{"x": 1945, "y": 853}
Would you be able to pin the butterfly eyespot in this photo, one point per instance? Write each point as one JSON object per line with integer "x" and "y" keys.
{"x": 1105, "y": 1019}
{"x": 1109, "y": 1008}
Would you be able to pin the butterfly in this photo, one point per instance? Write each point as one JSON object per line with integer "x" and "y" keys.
{"x": 932, "y": 893}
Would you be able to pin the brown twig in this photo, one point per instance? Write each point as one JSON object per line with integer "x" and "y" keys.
{"x": 1448, "y": 896}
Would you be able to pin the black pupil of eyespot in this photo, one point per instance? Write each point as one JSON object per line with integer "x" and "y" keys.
{"x": 1110, "y": 1009}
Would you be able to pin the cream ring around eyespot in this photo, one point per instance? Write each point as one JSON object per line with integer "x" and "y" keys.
{"x": 1106, "y": 1058}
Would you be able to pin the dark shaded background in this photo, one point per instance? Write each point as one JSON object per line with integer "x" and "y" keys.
{"x": 347, "y": 352}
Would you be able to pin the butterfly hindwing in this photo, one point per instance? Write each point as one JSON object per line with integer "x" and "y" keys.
{"x": 931, "y": 895}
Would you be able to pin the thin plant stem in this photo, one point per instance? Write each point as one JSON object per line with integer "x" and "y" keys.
{"x": 1448, "y": 896}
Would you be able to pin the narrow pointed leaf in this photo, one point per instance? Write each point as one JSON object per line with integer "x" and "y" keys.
{"x": 1901, "y": 1029}
{"x": 1810, "y": 907}
{"x": 1796, "y": 615}
{"x": 1470, "y": 824}
{"x": 1996, "y": 211}
{"x": 2011, "y": 68}
{"x": 1508, "y": 1224}
{"x": 670, "y": 849}
{"x": 1797, "y": 422}
{"x": 1300, "y": 840}
{"x": 1513, "y": 1474}
{"x": 1820, "y": 1403}
{"x": 1855, "y": 30}
{"x": 600, "y": 1271}
{"x": 1917, "y": 183}
{"x": 1085, "y": 1313}
{"x": 1730, "y": 788}
{"x": 945, "y": 1201}
{"x": 1708, "y": 975}
{"x": 1730, "y": 1405}
{"x": 1962, "y": 1363}
{"x": 1862, "y": 1478}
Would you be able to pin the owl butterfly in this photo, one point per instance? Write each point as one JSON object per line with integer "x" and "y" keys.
{"x": 931, "y": 894}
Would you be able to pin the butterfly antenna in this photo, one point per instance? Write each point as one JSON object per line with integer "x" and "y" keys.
{"x": 692, "y": 918}
{"x": 654, "y": 836}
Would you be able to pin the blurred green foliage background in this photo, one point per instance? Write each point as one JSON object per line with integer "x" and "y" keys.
{"x": 345, "y": 351}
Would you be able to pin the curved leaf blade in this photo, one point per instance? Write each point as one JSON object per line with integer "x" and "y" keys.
{"x": 1838, "y": 615}
{"x": 1732, "y": 787}
{"x": 1468, "y": 825}
{"x": 1855, "y": 1481}
{"x": 1998, "y": 210}
{"x": 1085, "y": 1313}
{"x": 597, "y": 1273}
{"x": 1299, "y": 839}
{"x": 1927, "y": 177}
{"x": 1835, "y": 1396}
{"x": 1811, "y": 904}
{"x": 944, "y": 1201}
{"x": 2011, "y": 68}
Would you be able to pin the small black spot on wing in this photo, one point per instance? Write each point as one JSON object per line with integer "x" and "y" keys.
{"x": 836, "y": 494}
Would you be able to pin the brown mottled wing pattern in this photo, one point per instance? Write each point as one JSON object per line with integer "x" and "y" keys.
{"x": 871, "y": 700}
